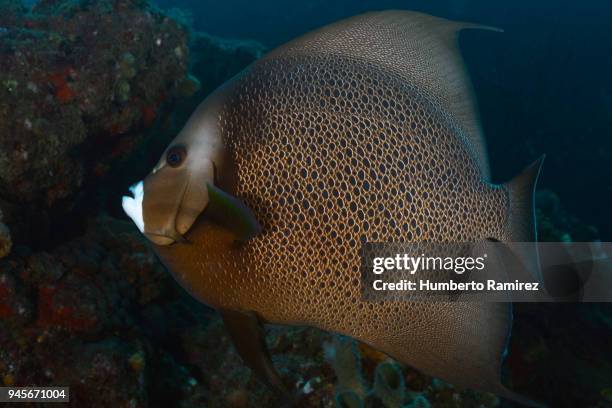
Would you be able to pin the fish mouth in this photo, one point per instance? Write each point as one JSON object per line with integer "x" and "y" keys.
{"x": 133, "y": 205}
{"x": 165, "y": 239}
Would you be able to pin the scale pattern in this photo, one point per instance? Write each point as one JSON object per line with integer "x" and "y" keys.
{"x": 332, "y": 152}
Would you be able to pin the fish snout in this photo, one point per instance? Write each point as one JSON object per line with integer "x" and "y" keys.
{"x": 134, "y": 208}
{"x": 168, "y": 202}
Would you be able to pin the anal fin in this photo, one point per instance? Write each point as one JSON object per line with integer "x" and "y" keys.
{"x": 248, "y": 336}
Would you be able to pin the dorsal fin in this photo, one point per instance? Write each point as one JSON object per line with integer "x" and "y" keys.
{"x": 420, "y": 48}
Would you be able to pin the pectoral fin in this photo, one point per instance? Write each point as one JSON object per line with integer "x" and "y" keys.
{"x": 247, "y": 333}
{"x": 229, "y": 211}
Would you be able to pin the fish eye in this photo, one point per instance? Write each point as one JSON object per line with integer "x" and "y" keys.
{"x": 175, "y": 156}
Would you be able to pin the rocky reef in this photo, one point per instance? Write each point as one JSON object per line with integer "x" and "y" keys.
{"x": 79, "y": 81}
{"x": 91, "y": 91}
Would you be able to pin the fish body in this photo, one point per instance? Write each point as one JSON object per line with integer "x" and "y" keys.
{"x": 363, "y": 131}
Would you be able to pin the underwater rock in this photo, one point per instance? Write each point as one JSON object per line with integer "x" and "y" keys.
{"x": 98, "y": 72}
{"x": 349, "y": 399}
{"x": 419, "y": 402}
{"x": 345, "y": 358}
{"x": 13, "y": 13}
{"x": 100, "y": 376}
{"x": 555, "y": 224}
{"x": 15, "y": 305}
{"x": 6, "y": 243}
{"x": 215, "y": 60}
{"x": 60, "y": 311}
{"x": 389, "y": 384}
{"x": 238, "y": 399}
{"x": 189, "y": 86}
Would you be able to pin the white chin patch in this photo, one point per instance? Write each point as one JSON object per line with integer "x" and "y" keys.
{"x": 133, "y": 205}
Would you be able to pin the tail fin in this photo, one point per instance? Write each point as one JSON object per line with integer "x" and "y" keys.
{"x": 521, "y": 223}
{"x": 521, "y": 190}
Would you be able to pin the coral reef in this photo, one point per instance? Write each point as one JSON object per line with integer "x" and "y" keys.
{"x": 78, "y": 79}
{"x": 228, "y": 57}
{"x": 343, "y": 355}
{"x": 67, "y": 316}
{"x": 389, "y": 384}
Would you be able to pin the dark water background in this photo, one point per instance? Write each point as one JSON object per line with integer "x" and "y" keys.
{"x": 543, "y": 86}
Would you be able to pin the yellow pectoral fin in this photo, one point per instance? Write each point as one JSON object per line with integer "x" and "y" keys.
{"x": 229, "y": 211}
